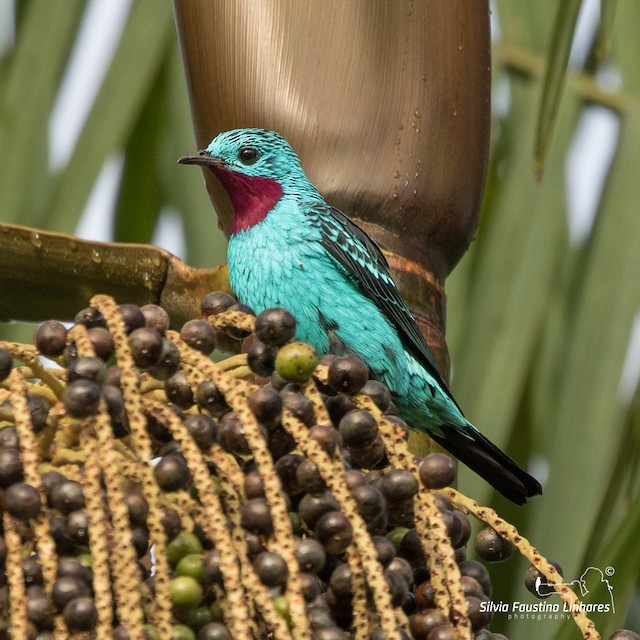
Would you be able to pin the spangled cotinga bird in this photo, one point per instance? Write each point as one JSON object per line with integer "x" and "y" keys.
{"x": 289, "y": 248}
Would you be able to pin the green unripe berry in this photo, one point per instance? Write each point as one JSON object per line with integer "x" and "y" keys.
{"x": 191, "y": 565}
{"x": 296, "y": 361}
{"x": 182, "y": 545}
{"x": 182, "y": 632}
{"x": 185, "y": 591}
{"x": 281, "y": 605}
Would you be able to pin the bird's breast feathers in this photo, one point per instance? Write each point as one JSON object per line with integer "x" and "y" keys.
{"x": 279, "y": 262}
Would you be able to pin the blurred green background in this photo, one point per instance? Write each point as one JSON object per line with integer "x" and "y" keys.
{"x": 543, "y": 311}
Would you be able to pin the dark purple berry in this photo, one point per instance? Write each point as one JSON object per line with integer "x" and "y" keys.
{"x": 66, "y": 496}
{"x": 171, "y": 523}
{"x": 370, "y": 456}
{"x": 326, "y": 437}
{"x": 138, "y": 508}
{"x": 423, "y": 623}
{"x": 158, "y": 431}
{"x": 281, "y": 443}
{"x": 385, "y": 550}
{"x": 216, "y": 302}
{"x": 299, "y": 405}
{"x": 334, "y": 532}
{"x": 261, "y": 359}
{"x": 437, "y": 470}
{"x": 211, "y": 568}
{"x": 90, "y": 317}
{"x": 410, "y": 548}
{"x": 479, "y": 615}
{"x": 178, "y": 390}
{"x": 309, "y": 586}
{"x": 50, "y": 479}
{"x": 102, "y": 342}
{"x": 398, "y": 587}
{"x": 211, "y": 399}
{"x": 32, "y": 571}
{"x": 132, "y": 317}
{"x": 340, "y": 581}
{"x": 338, "y": 407}
{"x": 266, "y": 404}
{"x": 39, "y": 412}
{"x": 465, "y": 528}
{"x": 155, "y": 317}
{"x": 398, "y": 484}
{"x": 214, "y": 631}
{"x": 378, "y": 392}
{"x": 358, "y": 428}
{"x": 66, "y": 588}
{"x": 40, "y": 612}
{"x": 309, "y": 478}
{"x": 287, "y": 469}
{"x": 50, "y": 338}
{"x": 492, "y": 547}
{"x": 199, "y": 335}
{"x": 81, "y": 398}
{"x": 203, "y": 430}
{"x": 312, "y": 507}
{"x": 275, "y": 326}
{"x": 447, "y": 632}
{"x": 311, "y": 555}
{"x": 172, "y": 473}
{"x": 401, "y": 566}
{"x": 537, "y": 583}
{"x": 167, "y": 362}
{"x": 5, "y": 364}
{"x": 471, "y": 587}
{"x": 253, "y": 485}
{"x": 72, "y": 567}
{"x": 426, "y": 597}
{"x": 22, "y": 500}
{"x": 231, "y": 434}
{"x": 370, "y": 502}
{"x": 140, "y": 540}
{"x": 10, "y": 466}
{"x": 76, "y": 527}
{"x": 271, "y": 569}
{"x": 80, "y": 614}
{"x": 146, "y": 347}
{"x": 89, "y": 368}
{"x": 255, "y": 516}
{"x": 348, "y": 375}
{"x": 479, "y": 572}
{"x": 114, "y": 399}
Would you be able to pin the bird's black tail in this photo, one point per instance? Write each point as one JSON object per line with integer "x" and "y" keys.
{"x": 483, "y": 457}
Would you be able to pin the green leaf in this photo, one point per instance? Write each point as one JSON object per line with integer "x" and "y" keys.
{"x": 140, "y": 197}
{"x": 116, "y": 109}
{"x": 33, "y": 72}
{"x": 605, "y": 32}
{"x": 554, "y": 78}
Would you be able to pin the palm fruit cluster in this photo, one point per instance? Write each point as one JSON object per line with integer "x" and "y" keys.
{"x": 149, "y": 492}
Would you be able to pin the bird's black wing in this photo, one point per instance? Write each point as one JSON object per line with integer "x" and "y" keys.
{"x": 351, "y": 247}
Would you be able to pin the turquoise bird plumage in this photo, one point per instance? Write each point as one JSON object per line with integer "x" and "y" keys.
{"x": 289, "y": 248}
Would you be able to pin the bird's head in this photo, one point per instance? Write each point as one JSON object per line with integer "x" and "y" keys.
{"x": 255, "y": 166}
{"x": 253, "y": 152}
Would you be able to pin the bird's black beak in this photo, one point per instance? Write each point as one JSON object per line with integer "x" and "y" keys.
{"x": 203, "y": 159}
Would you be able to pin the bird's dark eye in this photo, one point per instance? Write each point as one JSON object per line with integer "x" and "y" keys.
{"x": 248, "y": 155}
